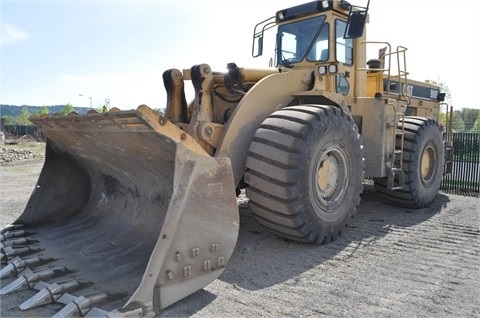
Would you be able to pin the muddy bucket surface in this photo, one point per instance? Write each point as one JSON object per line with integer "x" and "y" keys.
{"x": 129, "y": 215}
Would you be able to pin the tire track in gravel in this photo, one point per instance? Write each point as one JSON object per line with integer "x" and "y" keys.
{"x": 410, "y": 279}
{"x": 415, "y": 273}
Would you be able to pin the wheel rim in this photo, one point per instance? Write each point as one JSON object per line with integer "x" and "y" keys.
{"x": 327, "y": 176}
{"x": 330, "y": 177}
{"x": 428, "y": 164}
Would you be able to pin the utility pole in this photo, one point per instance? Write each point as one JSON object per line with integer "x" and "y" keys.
{"x": 88, "y": 98}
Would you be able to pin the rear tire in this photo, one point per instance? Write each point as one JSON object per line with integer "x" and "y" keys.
{"x": 423, "y": 162}
{"x": 305, "y": 173}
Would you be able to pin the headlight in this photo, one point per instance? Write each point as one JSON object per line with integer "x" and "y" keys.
{"x": 324, "y": 69}
{"x": 332, "y": 68}
{"x": 325, "y": 4}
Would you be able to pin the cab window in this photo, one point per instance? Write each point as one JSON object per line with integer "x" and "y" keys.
{"x": 295, "y": 40}
{"x": 344, "y": 47}
{"x": 319, "y": 50}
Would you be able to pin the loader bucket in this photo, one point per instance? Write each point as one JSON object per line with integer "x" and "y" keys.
{"x": 129, "y": 215}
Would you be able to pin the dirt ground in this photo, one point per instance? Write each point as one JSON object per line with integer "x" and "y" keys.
{"x": 391, "y": 262}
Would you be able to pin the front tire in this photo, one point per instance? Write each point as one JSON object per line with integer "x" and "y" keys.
{"x": 305, "y": 173}
{"x": 423, "y": 162}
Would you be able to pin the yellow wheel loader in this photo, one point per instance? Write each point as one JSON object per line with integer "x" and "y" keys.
{"x": 134, "y": 210}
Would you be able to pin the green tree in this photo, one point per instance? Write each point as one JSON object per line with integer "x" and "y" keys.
{"x": 476, "y": 125}
{"x": 442, "y": 119}
{"x": 458, "y": 124}
{"x": 67, "y": 109}
{"x": 102, "y": 109}
{"x": 469, "y": 115}
{"x": 23, "y": 117}
{"x": 444, "y": 108}
{"x": 43, "y": 110}
{"x": 444, "y": 89}
{"x": 10, "y": 120}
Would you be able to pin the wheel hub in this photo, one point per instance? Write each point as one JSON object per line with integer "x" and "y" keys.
{"x": 327, "y": 176}
{"x": 427, "y": 164}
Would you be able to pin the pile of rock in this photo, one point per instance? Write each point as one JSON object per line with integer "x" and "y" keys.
{"x": 10, "y": 155}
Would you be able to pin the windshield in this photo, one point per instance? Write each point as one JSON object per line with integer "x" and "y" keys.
{"x": 302, "y": 39}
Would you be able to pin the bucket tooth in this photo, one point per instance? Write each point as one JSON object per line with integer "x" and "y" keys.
{"x": 18, "y": 264}
{"x": 17, "y": 242}
{"x": 13, "y": 234}
{"x": 50, "y": 293}
{"x": 28, "y": 279}
{"x": 80, "y": 306}
{"x": 20, "y": 283}
{"x": 11, "y": 251}
{"x": 10, "y": 227}
{"x": 8, "y": 271}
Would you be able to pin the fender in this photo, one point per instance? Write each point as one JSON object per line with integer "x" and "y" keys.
{"x": 268, "y": 95}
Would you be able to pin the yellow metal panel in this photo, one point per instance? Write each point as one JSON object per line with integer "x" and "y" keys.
{"x": 374, "y": 83}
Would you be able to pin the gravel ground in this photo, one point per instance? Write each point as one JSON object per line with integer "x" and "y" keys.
{"x": 391, "y": 262}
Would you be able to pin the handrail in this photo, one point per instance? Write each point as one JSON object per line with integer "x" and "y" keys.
{"x": 355, "y": 92}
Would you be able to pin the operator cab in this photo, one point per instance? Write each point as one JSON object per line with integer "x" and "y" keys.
{"x": 304, "y": 33}
{"x": 302, "y": 40}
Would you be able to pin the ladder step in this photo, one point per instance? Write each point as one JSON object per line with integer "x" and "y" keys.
{"x": 391, "y": 179}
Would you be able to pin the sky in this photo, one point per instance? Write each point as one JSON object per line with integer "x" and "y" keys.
{"x": 54, "y": 51}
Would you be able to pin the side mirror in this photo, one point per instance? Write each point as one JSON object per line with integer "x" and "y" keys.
{"x": 356, "y": 21}
{"x": 258, "y": 47}
{"x": 355, "y": 25}
{"x": 258, "y": 31}
{"x": 441, "y": 97}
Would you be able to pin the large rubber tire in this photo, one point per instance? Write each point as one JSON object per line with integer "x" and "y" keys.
{"x": 423, "y": 163}
{"x": 305, "y": 173}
